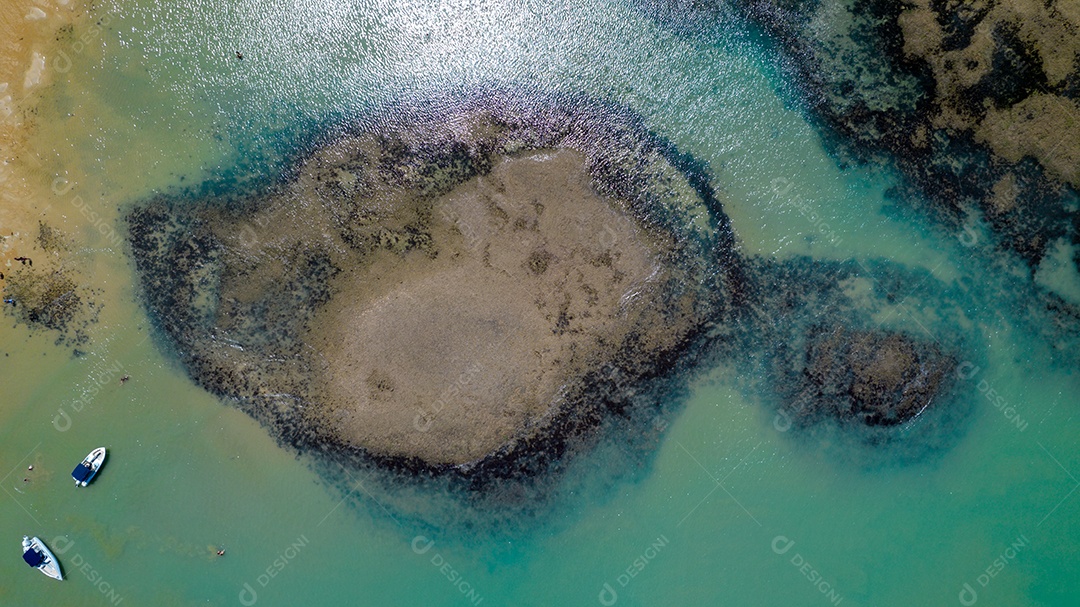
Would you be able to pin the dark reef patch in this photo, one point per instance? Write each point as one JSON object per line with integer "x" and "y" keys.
{"x": 867, "y": 376}
{"x": 975, "y": 104}
{"x": 49, "y": 296}
{"x": 855, "y": 354}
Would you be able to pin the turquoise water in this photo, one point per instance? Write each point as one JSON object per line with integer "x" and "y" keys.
{"x": 159, "y": 101}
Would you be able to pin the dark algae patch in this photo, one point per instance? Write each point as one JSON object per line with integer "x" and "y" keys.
{"x": 861, "y": 358}
{"x": 469, "y": 291}
{"x": 865, "y": 377}
{"x": 45, "y": 293}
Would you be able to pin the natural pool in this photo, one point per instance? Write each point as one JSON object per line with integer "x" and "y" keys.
{"x": 727, "y": 491}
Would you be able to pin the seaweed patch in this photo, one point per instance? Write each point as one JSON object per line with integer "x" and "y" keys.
{"x": 855, "y": 354}
{"x": 50, "y": 297}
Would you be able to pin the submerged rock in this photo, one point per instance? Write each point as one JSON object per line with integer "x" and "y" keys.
{"x": 854, "y": 354}
{"x": 871, "y": 377}
{"x": 49, "y": 299}
{"x": 449, "y": 288}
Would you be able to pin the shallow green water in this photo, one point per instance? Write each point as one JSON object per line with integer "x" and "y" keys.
{"x": 161, "y": 96}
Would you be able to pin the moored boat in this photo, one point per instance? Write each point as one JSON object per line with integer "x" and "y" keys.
{"x": 90, "y": 465}
{"x": 37, "y": 555}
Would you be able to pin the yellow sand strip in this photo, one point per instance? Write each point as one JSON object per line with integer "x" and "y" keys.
{"x": 29, "y": 53}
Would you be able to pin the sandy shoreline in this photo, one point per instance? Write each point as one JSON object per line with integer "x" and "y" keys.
{"x": 43, "y": 217}
{"x": 28, "y": 57}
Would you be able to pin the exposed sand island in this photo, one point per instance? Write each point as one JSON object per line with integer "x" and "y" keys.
{"x": 448, "y": 356}
{"x": 448, "y": 288}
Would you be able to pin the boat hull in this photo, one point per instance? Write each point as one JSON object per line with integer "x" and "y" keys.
{"x": 49, "y": 566}
{"x": 88, "y": 468}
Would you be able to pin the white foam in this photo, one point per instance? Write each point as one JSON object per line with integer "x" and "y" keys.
{"x": 35, "y": 71}
{"x": 35, "y": 14}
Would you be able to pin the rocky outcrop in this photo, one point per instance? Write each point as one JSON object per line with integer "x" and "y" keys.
{"x": 474, "y": 290}
{"x": 869, "y": 377}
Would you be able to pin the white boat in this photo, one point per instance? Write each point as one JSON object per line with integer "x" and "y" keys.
{"x": 89, "y": 467}
{"x": 38, "y": 556}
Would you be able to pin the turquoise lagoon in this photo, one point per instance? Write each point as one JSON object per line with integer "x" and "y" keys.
{"x": 729, "y": 510}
